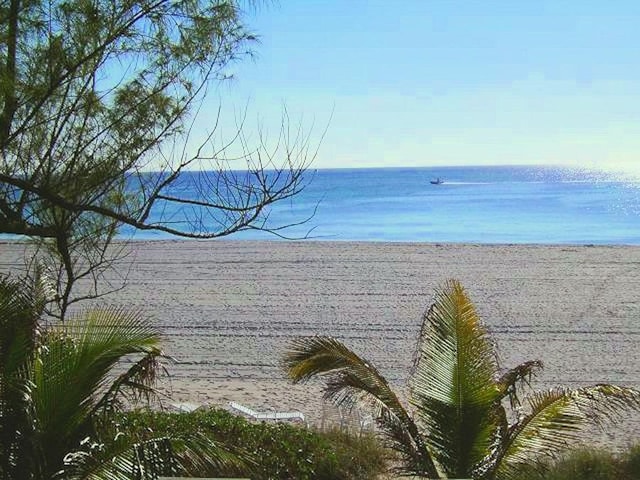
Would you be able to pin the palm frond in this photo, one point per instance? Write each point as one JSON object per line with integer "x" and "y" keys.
{"x": 348, "y": 376}
{"x": 517, "y": 378}
{"x": 134, "y": 385}
{"x": 453, "y": 384}
{"x": 125, "y": 457}
{"x": 54, "y": 381}
{"x": 19, "y": 323}
{"x": 397, "y": 437}
{"x": 350, "y": 379}
{"x": 200, "y": 453}
{"x": 20, "y": 309}
{"x": 112, "y": 333}
{"x": 119, "y": 459}
{"x": 556, "y": 420}
{"x": 462, "y": 428}
{"x": 74, "y": 372}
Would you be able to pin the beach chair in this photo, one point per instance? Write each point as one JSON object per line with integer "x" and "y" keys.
{"x": 275, "y": 416}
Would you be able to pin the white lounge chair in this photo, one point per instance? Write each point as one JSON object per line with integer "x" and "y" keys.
{"x": 299, "y": 416}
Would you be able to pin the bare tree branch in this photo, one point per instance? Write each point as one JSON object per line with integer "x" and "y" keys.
{"x": 95, "y": 96}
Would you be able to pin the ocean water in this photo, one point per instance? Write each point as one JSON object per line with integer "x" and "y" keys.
{"x": 507, "y": 204}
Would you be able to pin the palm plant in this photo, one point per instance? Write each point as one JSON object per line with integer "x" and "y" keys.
{"x": 61, "y": 387}
{"x": 466, "y": 418}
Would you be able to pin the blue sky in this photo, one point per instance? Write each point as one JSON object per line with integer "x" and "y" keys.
{"x": 435, "y": 83}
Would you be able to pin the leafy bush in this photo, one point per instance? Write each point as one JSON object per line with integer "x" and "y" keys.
{"x": 587, "y": 465}
{"x": 631, "y": 463}
{"x": 275, "y": 450}
{"x": 358, "y": 456}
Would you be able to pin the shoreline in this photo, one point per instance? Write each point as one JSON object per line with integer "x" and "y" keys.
{"x": 121, "y": 241}
{"x": 228, "y": 308}
{"x": 276, "y": 240}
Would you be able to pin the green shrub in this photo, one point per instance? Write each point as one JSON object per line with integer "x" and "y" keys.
{"x": 588, "y": 464}
{"x": 359, "y": 456}
{"x": 279, "y": 451}
{"x": 631, "y": 463}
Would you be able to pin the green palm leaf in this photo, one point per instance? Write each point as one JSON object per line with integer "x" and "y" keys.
{"x": 60, "y": 388}
{"x": 200, "y": 453}
{"x": 73, "y": 375}
{"x": 462, "y": 427}
{"x": 120, "y": 459}
{"x": 556, "y": 420}
{"x": 20, "y": 309}
{"x": 126, "y": 458}
{"x": 350, "y": 379}
{"x": 453, "y": 384}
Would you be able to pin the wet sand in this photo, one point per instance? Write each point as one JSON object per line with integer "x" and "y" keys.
{"x": 229, "y": 308}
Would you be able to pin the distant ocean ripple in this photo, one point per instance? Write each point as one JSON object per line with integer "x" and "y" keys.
{"x": 508, "y": 204}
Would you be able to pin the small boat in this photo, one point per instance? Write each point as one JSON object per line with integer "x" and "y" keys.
{"x": 437, "y": 181}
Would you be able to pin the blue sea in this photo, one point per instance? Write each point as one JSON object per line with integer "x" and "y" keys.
{"x": 506, "y": 204}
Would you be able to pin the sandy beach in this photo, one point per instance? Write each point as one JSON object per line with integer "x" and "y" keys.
{"x": 229, "y": 308}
